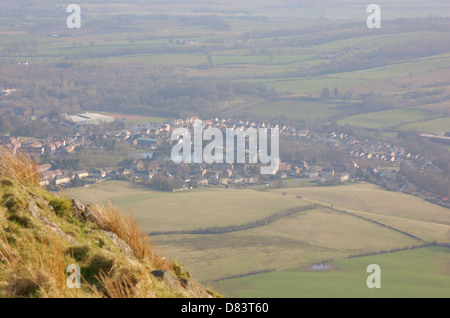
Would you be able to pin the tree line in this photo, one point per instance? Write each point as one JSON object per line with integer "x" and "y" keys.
{"x": 72, "y": 87}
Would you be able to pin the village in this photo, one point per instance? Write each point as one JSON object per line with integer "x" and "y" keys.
{"x": 149, "y": 163}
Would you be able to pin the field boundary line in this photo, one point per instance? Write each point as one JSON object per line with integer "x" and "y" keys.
{"x": 332, "y": 208}
{"x": 246, "y": 226}
{"x": 373, "y": 221}
{"x": 400, "y": 249}
{"x": 257, "y": 272}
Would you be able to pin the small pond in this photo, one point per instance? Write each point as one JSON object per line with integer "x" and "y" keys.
{"x": 320, "y": 267}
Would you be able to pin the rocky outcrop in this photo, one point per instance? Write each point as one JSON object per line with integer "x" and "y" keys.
{"x": 33, "y": 209}
{"x": 124, "y": 247}
{"x": 35, "y": 212}
{"x": 169, "y": 279}
{"x": 195, "y": 288}
{"x": 56, "y": 229}
{"x": 180, "y": 285}
{"x": 83, "y": 212}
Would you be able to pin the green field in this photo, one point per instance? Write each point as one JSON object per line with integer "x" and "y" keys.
{"x": 378, "y": 219}
{"x": 438, "y": 126}
{"x": 161, "y": 211}
{"x": 293, "y": 109}
{"x": 387, "y": 119}
{"x": 415, "y": 273}
{"x": 372, "y": 199}
{"x": 294, "y": 241}
{"x": 281, "y": 46}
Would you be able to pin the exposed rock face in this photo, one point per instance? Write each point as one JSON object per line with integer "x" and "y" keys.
{"x": 169, "y": 279}
{"x": 35, "y": 212}
{"x": 55, "y": 228}
{"x": 33, "y": 209}
{"x": 82, "y": 212}
{"x": 124, "y": 247}
{"x": 181, "y": 285}
{"x": 195, "y": 288}
{"x": 85, "y": 212}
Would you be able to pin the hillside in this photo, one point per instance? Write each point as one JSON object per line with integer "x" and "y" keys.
{"x": 42, "y": 234}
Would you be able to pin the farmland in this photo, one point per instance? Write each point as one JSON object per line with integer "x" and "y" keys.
{"x": 411, "y": 274}
{"x": 290, "y": 49}
{"x": 387, "y": 119}
{"x": 187, "y": 211}
{"x": 380, "y": 220}
{"x": 437, "y": 126}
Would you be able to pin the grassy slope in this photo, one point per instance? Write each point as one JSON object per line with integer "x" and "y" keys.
{"x": 40, "y": 236}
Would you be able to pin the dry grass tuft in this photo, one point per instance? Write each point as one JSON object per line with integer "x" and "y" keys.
{"x": 34, "y": 265}
{"x": 109, "y": 218}
{"x": 19, "y": 167}
{"x": 122, "y": 286}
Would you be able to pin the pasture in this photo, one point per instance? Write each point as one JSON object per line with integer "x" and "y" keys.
{"x": 259, "y": 42}
{"x": 387, "y": 119}
{"x": 349, "y": 220}
{"x": 437, "y": 126}
{"x": 369, "y": 198}
{"x": 416, "y": 273}
{"x": 298, "y": 109}
{"x": 164, "y": 211}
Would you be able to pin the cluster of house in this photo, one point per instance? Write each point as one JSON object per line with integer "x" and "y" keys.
{"x": 58, "y": 177}
{"x": 230, "y": 174}
{"x": 197, "y": 174}
{"x": 388, "y": 158}
{"x": 435, "y": 198}
{"x": 38, "y": 147}
{"x": 366, "y": 149}
{"x": 149, "y": 136}
{"x": 63, "y": 177}
{"x": 223, "y": 123}
{"x": 297, "y": 169}
{"x": 384, "y": 153}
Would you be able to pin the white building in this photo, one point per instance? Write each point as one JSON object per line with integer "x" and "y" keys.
{"x": 90, "y": 119}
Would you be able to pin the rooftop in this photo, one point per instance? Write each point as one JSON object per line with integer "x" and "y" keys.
{"x": 90, "y": 118}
